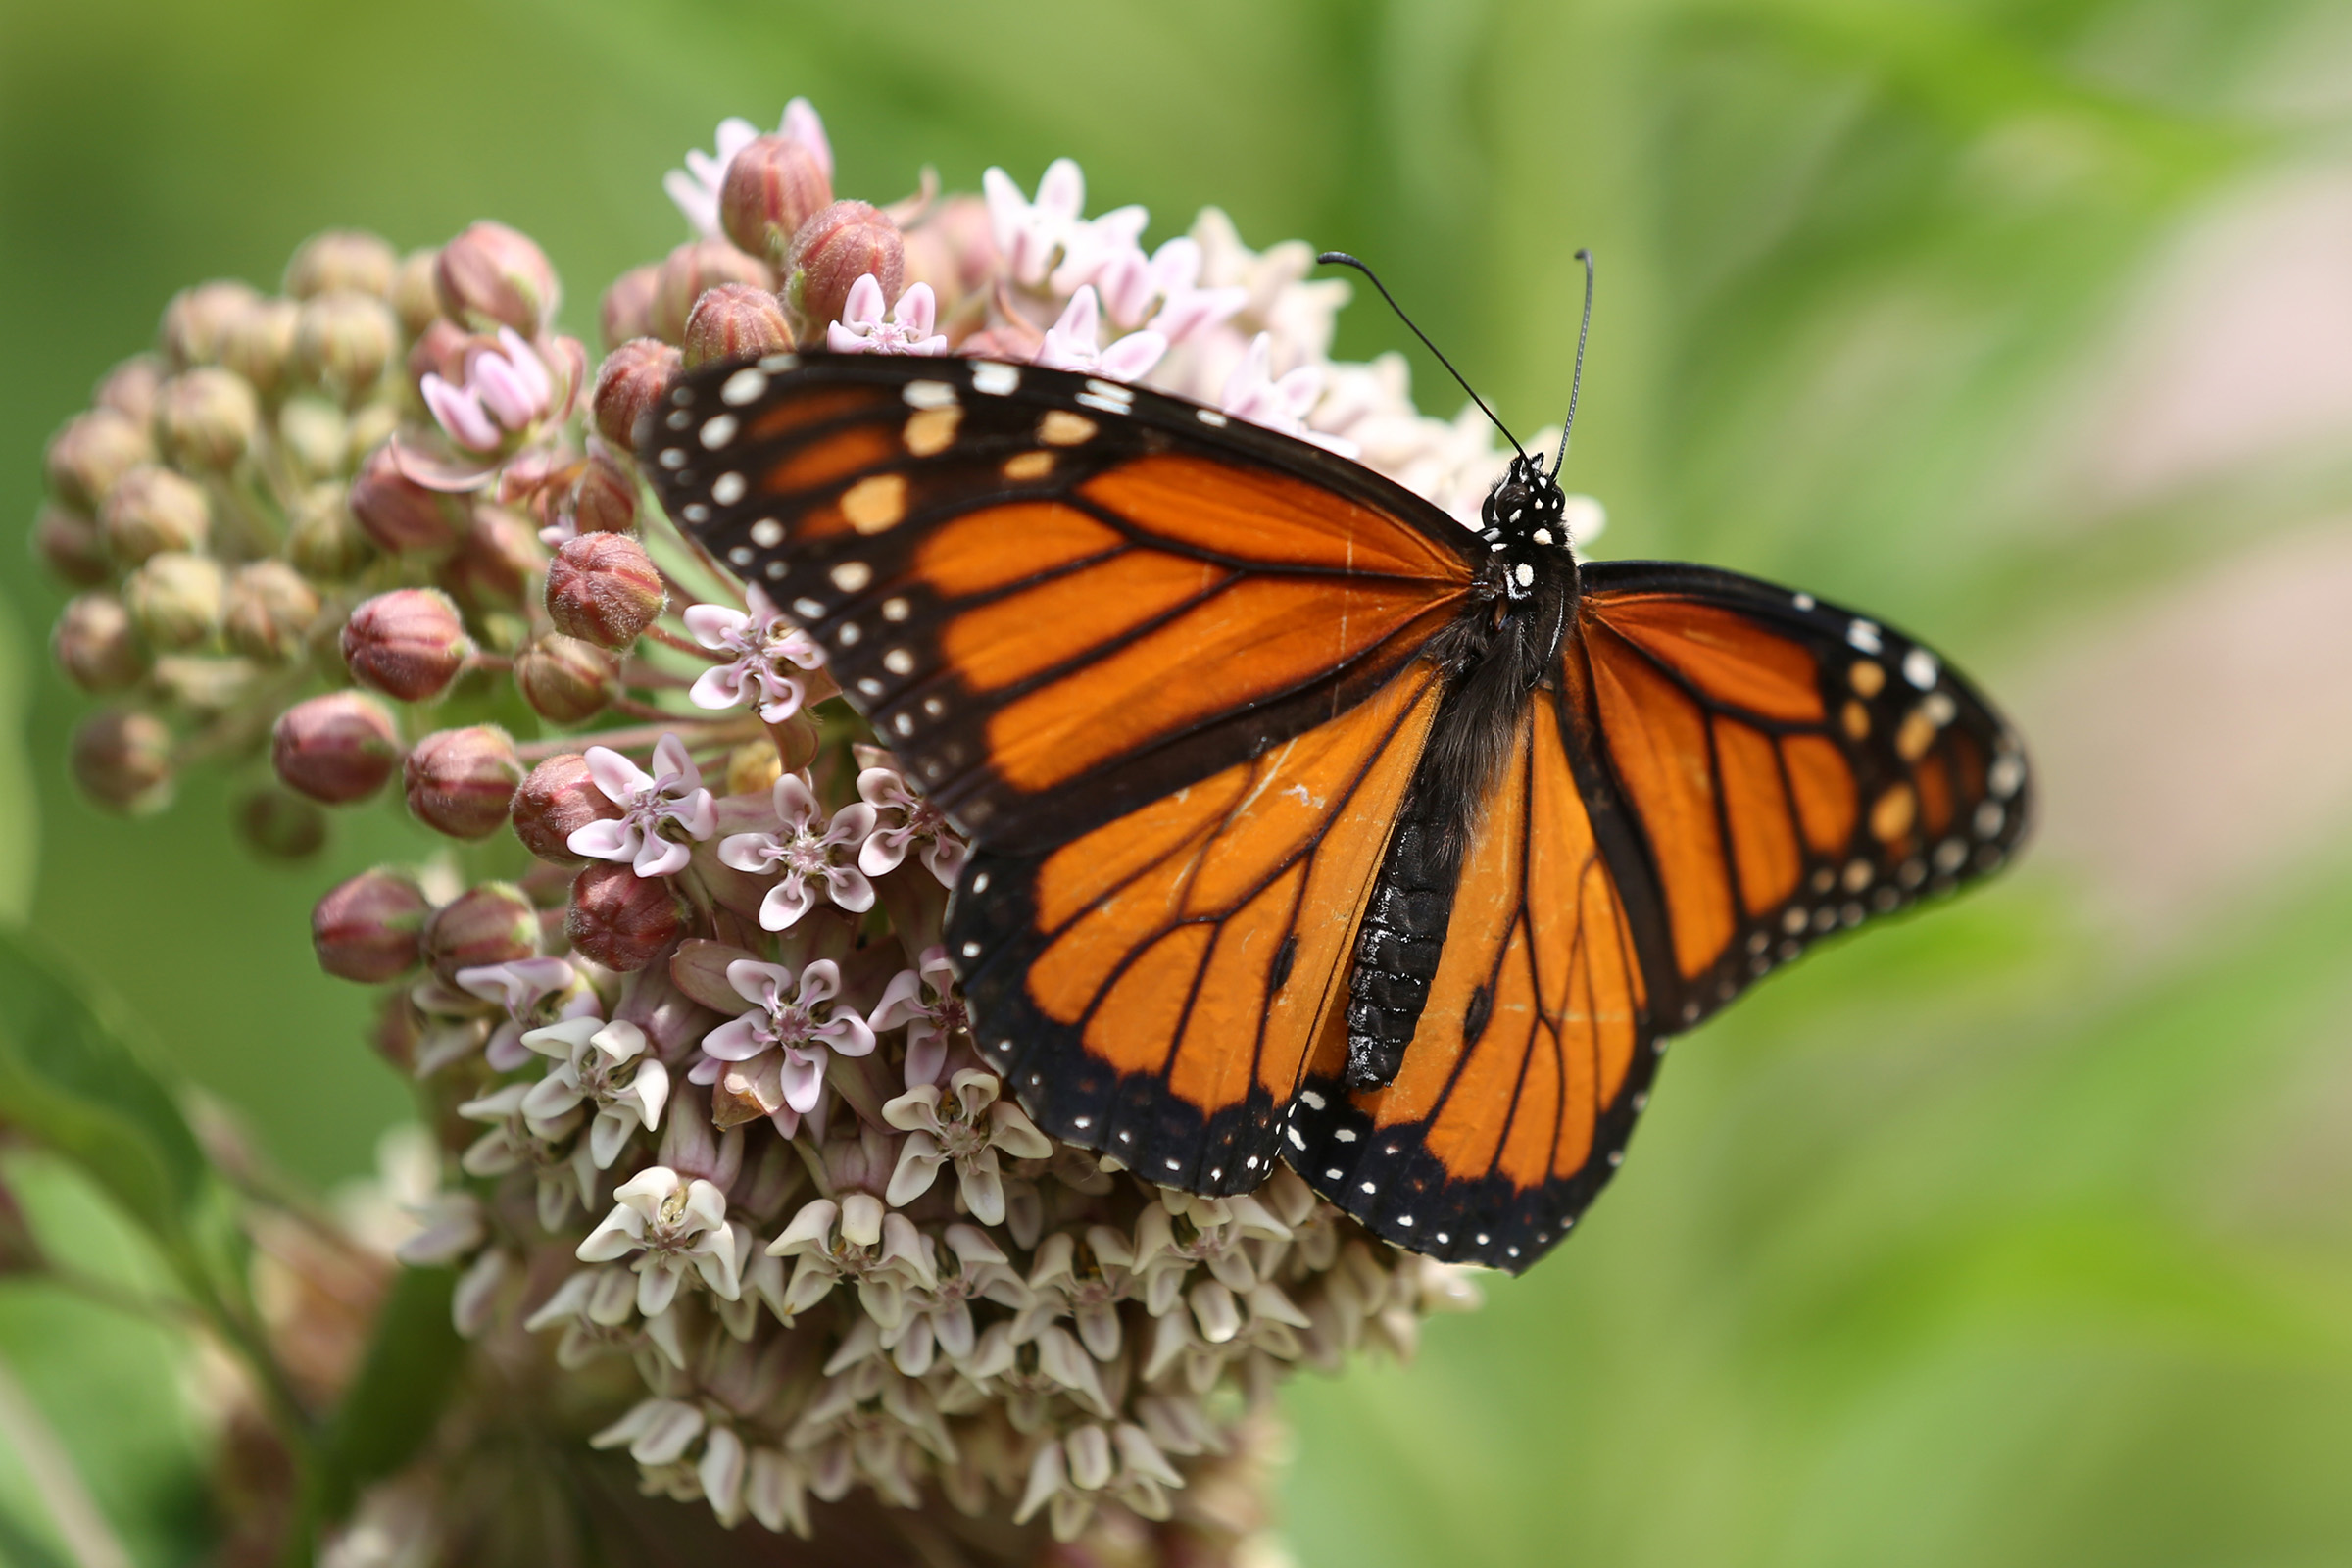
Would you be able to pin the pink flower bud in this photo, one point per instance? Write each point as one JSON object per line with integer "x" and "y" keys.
{"x": 627, "y": 310}
{"x": 492, "y": 924}
{"x": 124, "y": 760}
{"x": 605, "y": 500}
{"x": 94, "y": 644}
{"x": 337, "y": 749}
{"x": 952, "y": 249}
{"x": 460, "y": 781}
{"x": 397, "y": 512}
{"x": 621, "y": 920}
{"x": 370, "y": 929}
{"x": 178, "y": 598}
{"x": 272, "y": 609}
{"x": 567, "y": 680}
{"x": 344, "y": 340}
{"x": 72, "y": 545}
{"x": 207, "y": 417}
{"x": 415, "y": 299}
{"x": 323, "y": 539}
{"x": 130, "y": 389}
{"x": 629, "y": 384}
{"x": 92, "y": 453}
{"x": 735, "y": 321}
{"x": 408, "y": 644}
{"x": 259, "y": 344}
{"x": 557, "y": 801}
{"x": 197, "y": 321}
{"x": 839, "y": 245}
{"x": 441, "y": 349}
{"x": 280, "y": 826}
{"x": 496, "y": 563}
{"x": 691, "y": 270}
{"x": 342, "y": 259}
{"x": 604, "y": 588}
{"x": 153, "y": 509}
{"x": 492, "y": 277}
{"x": 772, "y": 188}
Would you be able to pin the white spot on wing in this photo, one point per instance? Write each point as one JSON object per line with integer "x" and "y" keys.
{"x": 995, "y": 379}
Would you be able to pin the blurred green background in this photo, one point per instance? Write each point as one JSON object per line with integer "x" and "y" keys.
{"x": 2018, "y": 1233}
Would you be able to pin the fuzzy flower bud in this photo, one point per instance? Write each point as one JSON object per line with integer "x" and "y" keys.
{"x": 95, "y": 645}
{"x": 71, "y": 546}
{"x": 208, "y": 418}
{"x": 198, "y": 320}
{"x": 342, "y": 259}
{"x": 835, "y": 248}
{"x": 557, "y": 801}
{"x": 123, "y": 760}
{"x": 130, "y": 389}
{"x": 494, "y": 564}
{"x": 495, "y": 922}
{"x": 604, "y": 588}
{"x": 323, "y": 539}
{"x": 415, "y": 298}
{"x": 315, "y": 435}
{"x": 621, "y": 920}
{"x": 631, "y": 383}
{"x": 336, "y": 748}
{"x": 259, "y": 344}
{"x": 272, "y": 608}
{"x": 397, "y": 512}
{"x": 735, "y": 321}
{"x": 280, "y": 826}
{"x": 92, "y": 453}
{"x": 152, "y": 509}
{"x": 691, "y": 271}
{"x": 564, "y": 679}
{"x": 492, "y": 277}
{"x": 178, "y": 598}
{"x": 344, "y": 340}
{"x": 627, "y": 309}
{"x": 460, "y": 781}
{"x": 408, "y": 644}
{"x": 772, "y": 188}
{"x": 368, "y": 929}
{"x": 605, "y": 501}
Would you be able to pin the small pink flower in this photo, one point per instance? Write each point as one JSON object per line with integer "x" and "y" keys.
{"x": 1252, "y": 394}
{"x": 767, "y": 648}
{"x": 1071, "y": 344}
{"x": 802, "y": 853}
{"x": 535, "y": 993}
{"x": 672, "y": 793}
{"x": 1028, "y": 233}
{"x": 918, "y": 822}
{"x": 927, "y": 1003}
{"x": 967, "y": 1125}
{"x": 863, "y": 328}
{"x": 505, "y": 392}
{"x": 801, "y": 1030}
{"x": 1091, "y": 245}
{"x": 696, "y": 187}
{"x": 1132, "y": 284}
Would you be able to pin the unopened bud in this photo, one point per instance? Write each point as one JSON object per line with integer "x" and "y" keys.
{"x": 130, "y": 389}
{"x": 198, "y": 320}
{"x": 397, "y": 512}
{"x": 495, "y": 564}
{"x": 124, "y": 760}
{"x": 567, "y": 680}
{"x": 492, "y": 277}
{"x": 735, "y": 321}
{"x": 952, "y": 249}
{"x": 315, "y": 435}
{"x": 604, "y": 588}
{"x": 337, "y": 749}
{"x": 460, "y": 781}
{"x": 492, "y": 924}
{"x": 621, "y": 920}
{"x": 557, "y": 801}
{"x": 627, "y": 309}
{"x": 344, "y": 340}
{"x": 831, "y": 251}
{"x": 272, "y": 608}
{"x": 370, "y": 928}
{"x": 693, "y": 270}
{"x": 259, "y": 345}
{"x": 605, "y": 500}
{"x": 631, "y": 384}
{"x": 415, "y": 299}
{"x": 772, "y": 188}
{"x": 153, "y": 509}
{"x": 203, "y": 686}
{"x": 323, "y": 539}
{"x": 72, "y": 545}
{"x": 94, "y": 644}
{"x": 178, "y": 598}
{"x": 280, "y": 826}
{"x": 342, "y": 259}
{"x": 207, "y": 417}
{"x": 92, "y": 453}
{"x": 408, "y": 644}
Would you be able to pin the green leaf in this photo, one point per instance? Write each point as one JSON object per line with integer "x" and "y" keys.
{"x": 398, "y": 1397}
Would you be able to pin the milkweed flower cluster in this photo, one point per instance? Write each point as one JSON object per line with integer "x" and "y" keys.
{"x": 707, "y": 1102}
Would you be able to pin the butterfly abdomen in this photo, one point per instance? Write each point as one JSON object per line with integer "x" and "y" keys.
{"x": 1402, "y": 936}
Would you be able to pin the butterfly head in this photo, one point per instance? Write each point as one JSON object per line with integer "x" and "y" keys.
{"x": 1523, "y": 522}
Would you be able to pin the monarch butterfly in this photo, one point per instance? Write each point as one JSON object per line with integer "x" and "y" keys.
{"x": 1308, "y": 823}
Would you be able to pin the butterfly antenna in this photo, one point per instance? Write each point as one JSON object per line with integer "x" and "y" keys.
{"x": 1343, "y": 259}
{"x": 1576, "y": 380}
